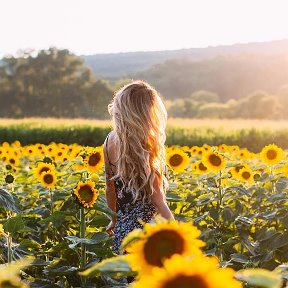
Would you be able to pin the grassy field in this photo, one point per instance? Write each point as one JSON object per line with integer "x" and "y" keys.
{"x": 221, "y": 124}
{"x": 252, "y": 134}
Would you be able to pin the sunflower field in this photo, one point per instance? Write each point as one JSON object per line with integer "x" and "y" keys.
{"x": 230, "y": 205}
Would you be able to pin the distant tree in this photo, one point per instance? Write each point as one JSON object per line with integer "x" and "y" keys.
{"x": 204, "y": 96}
{"x": 258, "y": 104}
{"x": 214, "y": 110}
{"x": 52, "y": 83}
{"x": 282, "y": 96}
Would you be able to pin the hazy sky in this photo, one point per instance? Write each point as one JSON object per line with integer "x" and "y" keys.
{"x": 102, "y": 26}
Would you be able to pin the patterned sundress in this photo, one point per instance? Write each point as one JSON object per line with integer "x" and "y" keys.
{"x": 130, "y": 215}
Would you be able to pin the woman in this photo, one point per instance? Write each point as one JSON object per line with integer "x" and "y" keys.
{"x": 135, "y": 159}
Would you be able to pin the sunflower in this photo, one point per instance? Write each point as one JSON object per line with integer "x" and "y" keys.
{"x": 213, "y": 161}
{"x": 223, "y": 148}
{"x": 199, "y": 168}
{"x": 44, "y": 167}
{"x": 86, "y": 193}
{"x": 94, "y": 161}
{"x": 29, "y": 151}
{"x": 206, "y": 148}
{"x": 160, "y": 241}
{"x": 271, "y": 154}
{"x": 243, "y": 154}
{"x": 12, "y": 160}
{"x": 194, "y": 150}
{"x": 48, "y": 179}
{"x": 189, "y": 272}
{"x": 245, "y": 174}
{"x": 177, "y": 159}
{"x": 235, "y": 169}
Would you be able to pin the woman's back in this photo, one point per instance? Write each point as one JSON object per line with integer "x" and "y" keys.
{"x": 129, "y": 212}
{"x": 135, "y": 159}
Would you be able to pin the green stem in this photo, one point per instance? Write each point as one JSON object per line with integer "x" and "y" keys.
{"x": 51, "y": 201}
{"x": 82, "y": 235}
{"x": 9, "y": 244}
{"x": 220, "y": 192}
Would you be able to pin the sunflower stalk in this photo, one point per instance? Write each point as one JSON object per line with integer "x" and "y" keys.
{"x": 220, "y": 194}
{"x": 82, "y": 235}
{"x": 9, "y": 247}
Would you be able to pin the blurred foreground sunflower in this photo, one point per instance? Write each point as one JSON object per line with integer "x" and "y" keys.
{"x": 177, "y": 160}
{"x": 86, "y": 193}
{"x": 271, "y": 154}
{"x": 189, "y": 272}
{"x": 48, "y": 179}
{"x": 161, "y": 241}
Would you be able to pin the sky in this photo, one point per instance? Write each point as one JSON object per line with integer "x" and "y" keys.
{"x": 110, "y": 26}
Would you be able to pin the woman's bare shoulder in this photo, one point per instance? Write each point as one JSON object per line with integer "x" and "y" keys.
{"x": 110, "y": 145}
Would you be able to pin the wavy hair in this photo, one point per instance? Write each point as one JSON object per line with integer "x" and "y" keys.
{"x": 139, "y": 120}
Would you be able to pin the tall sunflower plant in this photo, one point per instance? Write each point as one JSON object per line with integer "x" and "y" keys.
{"x": 168, "y": 254}
{"x": 233, "y": 198}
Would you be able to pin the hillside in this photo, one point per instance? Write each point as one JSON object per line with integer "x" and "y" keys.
{"x": 121, "y": 64}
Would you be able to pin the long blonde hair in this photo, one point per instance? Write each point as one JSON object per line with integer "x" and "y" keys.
{"x": 139, "y": 120}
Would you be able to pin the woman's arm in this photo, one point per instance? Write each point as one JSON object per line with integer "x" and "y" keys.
{"x": 110, "y": 192}
{"x": 158, "y": 199}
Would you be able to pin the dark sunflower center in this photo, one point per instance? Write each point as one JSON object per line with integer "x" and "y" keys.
{"x": 237, "y": 168}
{"x": 60, "y": 154}
{"x": 202, "y": 167}
{"x": 176, "y": 160}
{"x": 271, "y": 154}
{"x": 86, "y": 193}
{"x": 12, "y": 161}
{"x": 48, "y": 178}
{"x": 246, "y": 175}
{"x": 94, "y": 159}
{"x": 215, "y": 160}
{"x": 161, "y": 245}
{"x": 185, "y": 281}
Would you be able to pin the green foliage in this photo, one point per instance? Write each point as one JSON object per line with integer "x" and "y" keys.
{"x": 204, "y": 104}
{"x": 93, "y": 135}
{"x": 52, "y": 83}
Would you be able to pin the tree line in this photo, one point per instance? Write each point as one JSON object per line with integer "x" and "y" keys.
{"x": 54, "y": 83}
{"x": 57, "y": 83}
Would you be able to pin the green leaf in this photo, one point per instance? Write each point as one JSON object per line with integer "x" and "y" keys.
{"x": 95, "y": 239}
{"x": 238, "y": 189}
{"x": 260, "y": 278}
{"x": 115, "y": 265}
{"x": 244, "y": 220}
{"x": 59, "y": 268}
{"x": 239, "y": 258}
{"x": 8, "y": 201}
{"x": 29, "y": 244}
{"x": 104, "y": 208}
{"x": 100, "y": 221}
{"x": 281, "y": 184}
{"x": 173, "y": 197}
{"x": 14, "y": 224}
{"x": 131, "y": 237}
{"x": 228, "y": 215}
